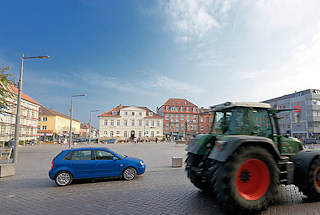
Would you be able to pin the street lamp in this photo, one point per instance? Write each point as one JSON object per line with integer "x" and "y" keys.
{"x": 17, "y": 125}
{"x": 89, "y": 136}
{"x": 70, "y": 129}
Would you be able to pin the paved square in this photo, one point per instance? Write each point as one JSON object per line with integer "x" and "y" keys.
{"x": 161, "y": 190}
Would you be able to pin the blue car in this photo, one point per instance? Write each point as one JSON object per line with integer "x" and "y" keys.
{"x": 86, "y": 163}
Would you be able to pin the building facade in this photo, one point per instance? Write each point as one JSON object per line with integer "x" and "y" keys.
{"x": 183, "y": 118}
{"x": 28, "y": 117}
{"x": 54, "y": 125}
{"x": 205, "y": 121}
{"x": 128, "y": 122}
{"x": 304, "y": 120}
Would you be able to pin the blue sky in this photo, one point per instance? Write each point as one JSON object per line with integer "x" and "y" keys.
{"x": 143, "y": 52}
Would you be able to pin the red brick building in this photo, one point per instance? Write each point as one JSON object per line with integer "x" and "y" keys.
{"x": 183, "y": 118}
{"x": 205, "y": 120}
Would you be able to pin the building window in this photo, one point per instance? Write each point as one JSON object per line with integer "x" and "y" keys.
{"x": 181, "y": 109}
{"x": 167, "y": 108}
{"x": 167, "y": 126}
{"x": 158, "y": 132}
{"x": 182, "y": 126}
{"x": 140, "y": 122}
{"x": 191, "y": 126}
{"x": 172, "y": 117}
{"x": 105, "y": 122}
{"x": 202, "y": 128}
{"x": 111, "y": 133}
{"x": 125, "y": 122}
{"x": 152, "y": 133}
{"x": 44, "y": 127}
{"x": 126, "y": 113}
{"x": 150, "y": 113}
{"x": 182, "y": 117}
{"x": 112, "y": 122}
{"x": 125, "y": 133}
{"x": 132, "y": 113}
{"x": 172, "y": 108}
{"x": 188, "y": 117}
{"x": 114, "y": 112}
{"x": 140, "y": 133}
{"x": 177, "y": 126}
{"x": 118, "y": 132}
{"x": 167, "y": 116}
{"x": 147, "y": 123}
{"x": 158, "y": 123}
{"x": 132, "y": 122}
{"x": 201, "y": 119}
{"x": 187, "y": 109}
{"x": 140, "y": 113}
{"x": 194, "y": 109}
{"x": 118, "y": 122}
{"x": 44, "y": 119}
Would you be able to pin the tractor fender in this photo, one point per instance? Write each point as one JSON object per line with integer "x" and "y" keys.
{"x": 198, "y": 144}
{"x": 302, "y": 162}
{"x": 225, "y": 147}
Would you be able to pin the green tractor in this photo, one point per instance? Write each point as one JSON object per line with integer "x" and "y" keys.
{"x": 244, "y": 159}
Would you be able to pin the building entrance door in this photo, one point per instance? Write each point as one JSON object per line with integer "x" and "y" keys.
{"x": 132, "y": 134}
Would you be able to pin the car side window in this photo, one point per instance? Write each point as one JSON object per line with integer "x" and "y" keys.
{"x": 68, "y": 156}
{"x": 81, "y": 155}
{"x": 103, "y": 155}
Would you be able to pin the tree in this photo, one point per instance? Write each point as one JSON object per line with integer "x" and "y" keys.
{"x": 4, "y": 87}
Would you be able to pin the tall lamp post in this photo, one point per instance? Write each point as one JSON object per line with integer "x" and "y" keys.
{"x": 70, "y": 129}
{"x": 90, "y": 121}
{"x": 17, "y": 125}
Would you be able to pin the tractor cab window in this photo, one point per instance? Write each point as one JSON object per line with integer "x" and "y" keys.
{"x": 234, "y": 121}
{"x": 261, "y": 123}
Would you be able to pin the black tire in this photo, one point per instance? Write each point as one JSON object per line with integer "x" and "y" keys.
{"x": 312, "y": 186}
{"x": 129, "y": 173}
{"x": 192, "y": 161}
{"x": 240, "y": 184}
{"x": 63, "y": 178}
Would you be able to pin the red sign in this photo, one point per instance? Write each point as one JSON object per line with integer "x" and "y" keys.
{"x": 297, "y": 108}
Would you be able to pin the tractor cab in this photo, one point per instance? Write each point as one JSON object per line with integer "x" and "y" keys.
{"x": 253, "y": 119}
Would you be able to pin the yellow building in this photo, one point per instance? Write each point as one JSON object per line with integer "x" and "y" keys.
{"x": 54, "y": 125}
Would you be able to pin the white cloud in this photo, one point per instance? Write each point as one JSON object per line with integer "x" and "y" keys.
{"x": 192, "y": 19}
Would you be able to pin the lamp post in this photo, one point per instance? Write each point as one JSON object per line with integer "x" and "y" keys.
{"x": 70, "y": 129}
{"x": 17, "y": 124}
{"x": 89, "y": 136}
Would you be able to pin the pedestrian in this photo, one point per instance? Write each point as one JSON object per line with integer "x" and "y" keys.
{"x": 156, "y": 140}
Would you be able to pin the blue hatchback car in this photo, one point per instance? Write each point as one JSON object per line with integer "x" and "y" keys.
{"x": 85, "y": 163}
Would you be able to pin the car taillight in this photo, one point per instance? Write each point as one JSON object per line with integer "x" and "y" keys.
{"x": 52, "y": 164}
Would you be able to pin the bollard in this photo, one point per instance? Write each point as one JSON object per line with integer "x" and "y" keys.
{"x": 176, "y": 162}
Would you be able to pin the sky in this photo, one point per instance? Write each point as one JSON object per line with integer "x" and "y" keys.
{"x": 142, "y": 52}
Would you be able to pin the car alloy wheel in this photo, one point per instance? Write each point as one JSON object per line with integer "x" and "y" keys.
{"x": 129, "y": 173}
{"x": 63, "y": 178}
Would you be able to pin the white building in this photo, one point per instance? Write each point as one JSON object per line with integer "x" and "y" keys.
{"x": 125, "y": 122}
{"x": 29, "y": 117}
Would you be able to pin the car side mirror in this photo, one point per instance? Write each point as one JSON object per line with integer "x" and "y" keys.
{"x": 114, "y": 158}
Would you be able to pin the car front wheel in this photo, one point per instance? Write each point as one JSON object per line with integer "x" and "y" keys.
{"x": 63, "y": 178}
{"x": 129, "y": 173}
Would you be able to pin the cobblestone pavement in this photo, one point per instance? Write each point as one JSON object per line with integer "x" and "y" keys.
{"x": 161, "y": 190}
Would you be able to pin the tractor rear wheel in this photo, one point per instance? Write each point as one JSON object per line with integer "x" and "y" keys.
{"x": 248, "y": 180}
{"x": 312, "y": 186}
{"x": 192, "y": 163}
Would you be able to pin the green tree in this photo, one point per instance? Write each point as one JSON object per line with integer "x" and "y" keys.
{"x": 5, "y": 91}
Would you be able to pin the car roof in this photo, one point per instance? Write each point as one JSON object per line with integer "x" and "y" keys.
{"x": 88, "y": 148}
{"x": 228, "y": 105}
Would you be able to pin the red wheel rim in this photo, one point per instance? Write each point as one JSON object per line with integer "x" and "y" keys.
{"x": 253, "y": 179}
{"x": 317, "y": 177}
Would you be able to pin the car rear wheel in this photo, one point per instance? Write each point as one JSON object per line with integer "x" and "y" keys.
{"x": 63, "y": 178}
{"x": 129, "y": 173}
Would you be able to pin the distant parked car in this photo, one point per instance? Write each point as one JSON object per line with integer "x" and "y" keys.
{"x": 86, "y": 163}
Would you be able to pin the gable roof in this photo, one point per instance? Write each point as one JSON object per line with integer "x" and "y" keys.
{"x": 49, "y": 112}
{"x": 179, "y": 102}
{"x": 119, "y": 107}
{"x": 23, "y": 95}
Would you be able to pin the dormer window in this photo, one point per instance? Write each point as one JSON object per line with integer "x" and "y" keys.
{"x": 114, "y": 112}
{"x": 150, "y": 114}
